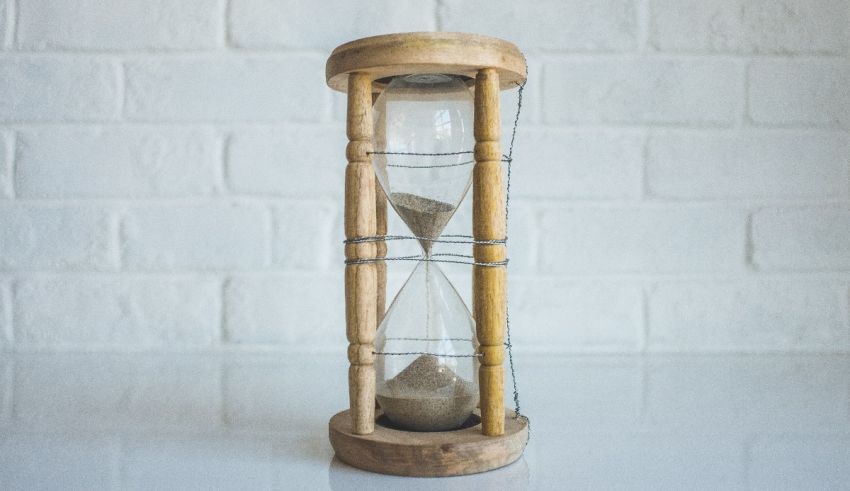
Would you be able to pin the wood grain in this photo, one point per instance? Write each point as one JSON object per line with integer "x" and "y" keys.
{"x": 427, "y": 454}
{"x": 361, "y": 280}
{"x": 424, "y": 52}
{"x": 489, "y": 283}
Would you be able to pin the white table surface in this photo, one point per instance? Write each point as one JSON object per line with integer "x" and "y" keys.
{"x": 247, "y": 421}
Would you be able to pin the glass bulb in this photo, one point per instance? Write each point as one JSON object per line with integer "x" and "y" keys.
{"x": 433, "y": 385}
{"x": 426, "y": 369}
{"x": 424, "y": 114}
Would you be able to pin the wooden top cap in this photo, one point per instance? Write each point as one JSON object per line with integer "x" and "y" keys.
{"x": 409, "y": 53}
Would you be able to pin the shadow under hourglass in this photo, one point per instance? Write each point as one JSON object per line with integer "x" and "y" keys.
{"x": 342, "y": 476}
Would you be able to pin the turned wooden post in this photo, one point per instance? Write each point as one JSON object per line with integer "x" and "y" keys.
{"x": 488, "y": 223}
{"x": 361, "y": 281}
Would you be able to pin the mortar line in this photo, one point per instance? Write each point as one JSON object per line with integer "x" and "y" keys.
{"x": 277, "y": 53}
{"x": 743, "y": 119}
{"x": 746, "y": 119}
{"x": 271, "y": 212}
{"x": 567, "y": 276}
{"x": 333, "y": 125}
{"x": 7, "y": 397}
{"x": 537, "y": 114}
{"x": 222, "y": 321}
{"x": 749, "y": 244}
{"x": 117, "y": 235}
{"x": 120, "y": 92}
{"x": 643, "y": 16}
{"x": 645, "y": 193}
{"x": 643, "y": 339}
{"x": 225, "y": 37}
{"x": 222, "y": 176}
{"x": 8, "y": 301}
{"x": 644, "y": 367}
{"x": 12, "y": 317}
{"x": 12, "y": 156}
{"x": 439, "y": 6}
{"x": 121, "y": 214}
{"x": 11, "y": 25}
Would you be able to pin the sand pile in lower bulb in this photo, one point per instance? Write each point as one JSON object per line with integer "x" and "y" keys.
{"x": 427, "y": 396}
{"x": 424, "y": 217}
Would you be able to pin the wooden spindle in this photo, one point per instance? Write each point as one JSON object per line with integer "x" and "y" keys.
{"x": 361, "y": 280}
{"x": 488, "y": 223}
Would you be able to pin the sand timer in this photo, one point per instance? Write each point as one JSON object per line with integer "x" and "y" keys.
{"x": 422, "y": 125}
{"x": 435, "y": 373}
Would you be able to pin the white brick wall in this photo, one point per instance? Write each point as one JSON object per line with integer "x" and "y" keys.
{"x": 642, "y": 91}
{"x": 116, "y": 162}
{"x": 132, "y": 24}
{"x": 114, "y": 312}
{"x": 743, "y": 26}
{"x": 6, "y": 159}
{"x": 171, "y": 173}
{"x": 809, "y": 92}
{"x": 58, "y": 89}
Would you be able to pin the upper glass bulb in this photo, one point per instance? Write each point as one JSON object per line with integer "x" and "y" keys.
{"x": 428, "y": 114}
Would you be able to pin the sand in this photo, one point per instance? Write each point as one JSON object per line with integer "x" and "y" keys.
{"x": 427, "y": 396}
{"x": 424, "y": 217}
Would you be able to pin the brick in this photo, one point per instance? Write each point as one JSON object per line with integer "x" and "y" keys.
{"x": 6, "y": 159}
{"x": 553, "y": 163}
{"x": 5, "y": 393}
{"x": 267, "y": 310}
{"x": 258, "y": 393}
{"x": 641, "y": 240}
{"x": 33, "y": 461}
{"x": 807, "y": 238}
{"x": 115, "y": 162}
{"x": 602, "y": 392}
{"x": 532, "y": 102}
{"x": 573, "y": 25}
{"x": 212, "y": 236}
{"x": 799, "y": 462}
{"x": 749, "y": 164}
{"x": 254, "y": 88}
{"x": 740, "y": 26}
{"x": 6, "y": 340}
{"x": 45, "y": 24}
{"x": 522, "y": 231}
{"x": 812, "y": 92}
{"x": 56, "y": 237}
{"x": 99, "y": 392}
{"x": 746, "y": 393}
{"x": 5, "y": 23}
{"x": 523, "y": 237}
{"x": 702, "y": 92}
{"x": 66, "y": 89}
{"x": 306, "y": 235}
{"x": 576, "y": 315}
{"x": 751, "y": 316}
{"x": 116, "y": 313}
{"x": 299, "y": 161}
{"x": 197, "y": 462}
{"x": 291, "y": 24}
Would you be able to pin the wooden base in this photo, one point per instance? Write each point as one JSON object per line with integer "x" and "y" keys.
{"x": 427, "y": 454}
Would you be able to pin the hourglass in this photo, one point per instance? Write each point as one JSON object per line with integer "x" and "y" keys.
{"x": 426, "y": 382}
